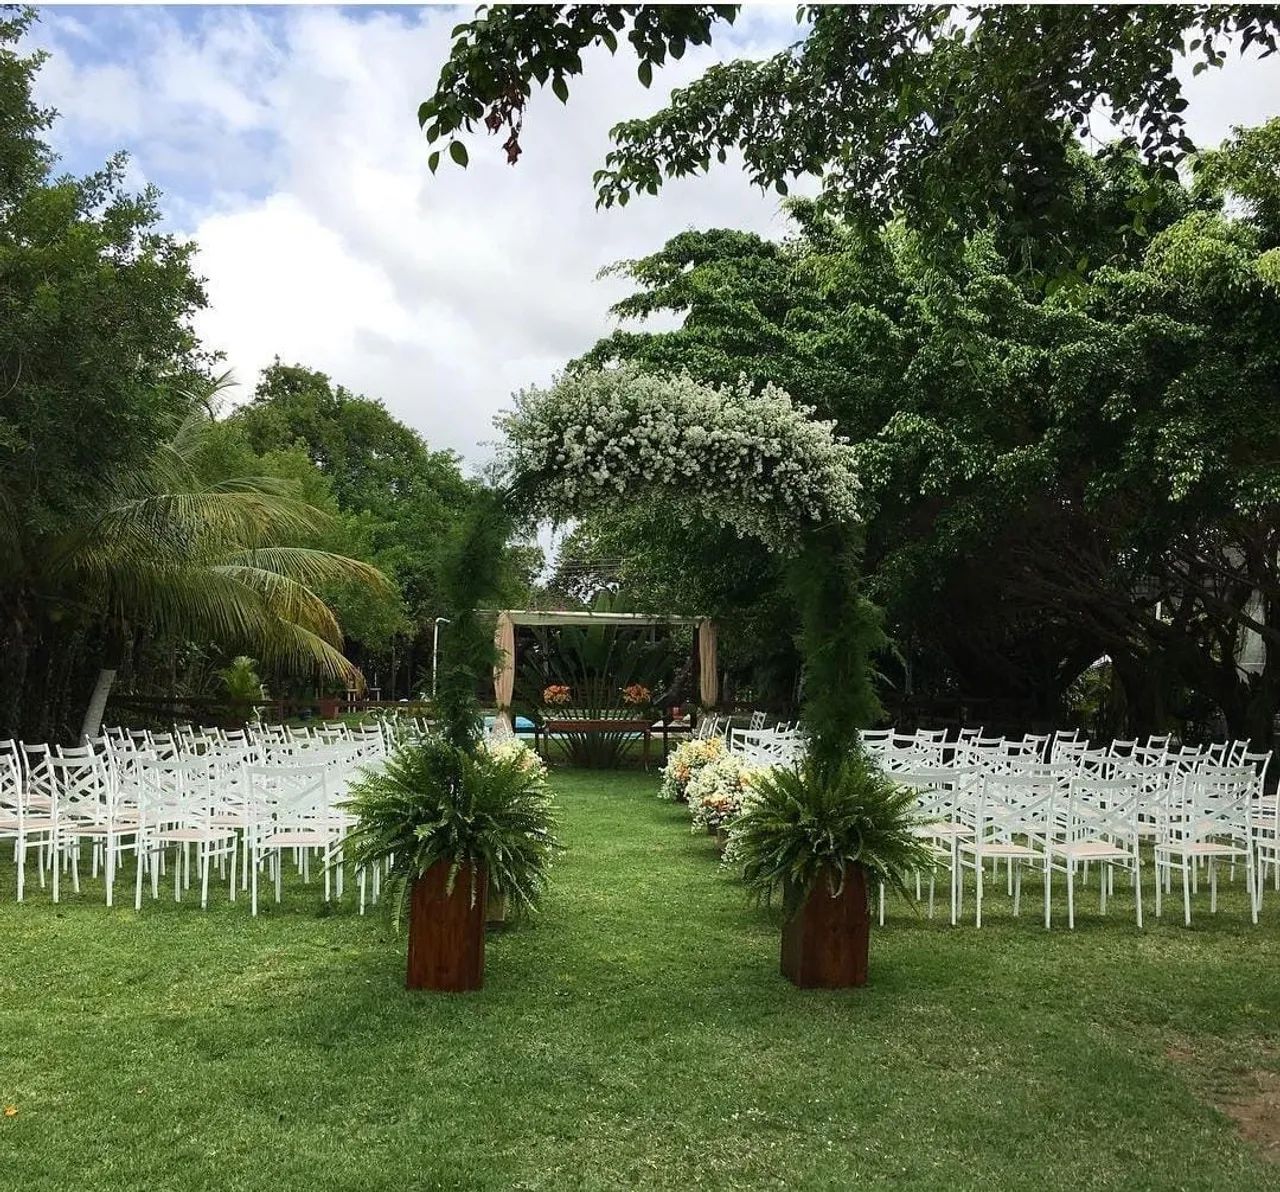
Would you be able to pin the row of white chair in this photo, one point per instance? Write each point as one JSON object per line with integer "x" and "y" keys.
{"x": 228, "y": 800}
{"x": 1063, "y": 816}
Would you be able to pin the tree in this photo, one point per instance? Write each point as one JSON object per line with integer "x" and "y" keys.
{"x": 1031, "y": 463}
{"x": 398, "y": 502}
{"x": 96, "y": 352}
{"x": 186, "y": 557}
{"x": 950, "y": 114}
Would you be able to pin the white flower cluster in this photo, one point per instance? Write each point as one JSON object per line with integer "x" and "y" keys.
{"x": 756, "y": 462}
{"x": 512, "y": 748}
{"x": 717, "y": 792}
{"x": 685, "y": 762}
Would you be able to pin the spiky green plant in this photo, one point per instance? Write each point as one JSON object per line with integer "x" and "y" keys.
{"x": 434, "y": 801}
{"x": 241, "y": 680}
{"x": 813, "y": 822}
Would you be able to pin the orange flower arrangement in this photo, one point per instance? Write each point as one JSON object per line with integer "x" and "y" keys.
{"x": 637, "y": 695}
{"x": 558, "y": 694}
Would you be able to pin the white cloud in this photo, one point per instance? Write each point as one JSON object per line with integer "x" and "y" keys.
{"x": 288, "y": 145}
{"x": 324, "y": 238}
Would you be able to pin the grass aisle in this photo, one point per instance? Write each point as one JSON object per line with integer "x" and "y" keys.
{"x": 638, "y": 1035}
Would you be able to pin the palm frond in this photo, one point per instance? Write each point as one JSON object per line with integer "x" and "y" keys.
{"x": 287, "y": 599}
{"x": 313, "y": 567}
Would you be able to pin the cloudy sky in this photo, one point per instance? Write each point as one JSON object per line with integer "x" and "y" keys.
{"x": 286, "y": 143}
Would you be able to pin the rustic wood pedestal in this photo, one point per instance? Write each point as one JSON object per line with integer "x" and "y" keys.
{"x": 446, "y": 931}
{"x": 825, "y": 943}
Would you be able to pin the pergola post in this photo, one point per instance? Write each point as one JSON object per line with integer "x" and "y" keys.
{"x": 708, "y": 670}
{"x": 504, "y": 668}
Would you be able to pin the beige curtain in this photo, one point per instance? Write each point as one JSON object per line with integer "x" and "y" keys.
{"x": 504, "y": 669}
{"x": 708, "y": 675}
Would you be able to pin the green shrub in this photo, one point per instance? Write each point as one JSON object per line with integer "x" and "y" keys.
{"x": 434, "y": 802}
{"x": 811, "y": 822}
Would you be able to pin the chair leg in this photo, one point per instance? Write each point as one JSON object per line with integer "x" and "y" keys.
{"x": 1186, "y": 890}
{"x": 1251, "y": 880}
{"x": 1137, "y": 887}
{"x": 1071, "y": 895}
{"x": 137, "y": 877}
{"x": 977, "y": 869}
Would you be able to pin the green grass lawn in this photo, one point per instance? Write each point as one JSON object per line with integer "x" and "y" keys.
{"x": 637, "y": 1035}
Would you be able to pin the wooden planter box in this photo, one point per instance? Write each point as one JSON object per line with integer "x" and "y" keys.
{"x": 446, "y": 932}
{"x": 826, "y": 941}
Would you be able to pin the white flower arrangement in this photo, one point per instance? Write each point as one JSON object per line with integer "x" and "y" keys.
{"x": 717, "y": 791}
{"x": 512, "y": 747}
{"x": 754, "y": 461}
{"x": 685, "y": 761}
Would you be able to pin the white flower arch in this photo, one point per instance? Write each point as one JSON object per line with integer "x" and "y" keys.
{"x": 756, "y": 462}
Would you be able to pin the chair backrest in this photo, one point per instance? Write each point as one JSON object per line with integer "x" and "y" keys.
{"x": 1018, "y": 805}
{"x": 291, "y": 796}
{"x": 1093, "y": 761}
{"x": 1220, "y": 801}
{"x": 80, "y": 787}
{"x": 175, "y": 792}
{"x": 1261, "y": 762}
{"x": 11, "y": 786}
{"x": 1105, "y": 808}
{"x": 943, "y": 792}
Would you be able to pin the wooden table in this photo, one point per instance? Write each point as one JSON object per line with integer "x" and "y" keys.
{"x": 642, "y": 726}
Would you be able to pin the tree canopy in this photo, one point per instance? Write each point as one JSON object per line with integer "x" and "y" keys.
{"x": 1047, "y": 478}
{"x": 945, "y": 112}
{"x": 143, "y": 530}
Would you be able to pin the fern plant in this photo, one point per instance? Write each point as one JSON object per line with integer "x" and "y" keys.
{"x": 813, "y": 822}
{"x": 433, "y": 802}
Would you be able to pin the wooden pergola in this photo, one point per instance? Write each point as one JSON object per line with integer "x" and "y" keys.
{"x": 504, "y": 639}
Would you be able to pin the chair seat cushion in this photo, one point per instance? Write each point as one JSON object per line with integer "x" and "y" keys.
{"x": 28, "y": 823}
{"x": 299, "y": 839}
{"x": 1203, "y": 848}
{"x": 194, "y": 835}
{"x": 1091, "y": 850}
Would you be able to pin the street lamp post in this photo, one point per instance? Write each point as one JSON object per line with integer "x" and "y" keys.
{"x": 435, "y": 651}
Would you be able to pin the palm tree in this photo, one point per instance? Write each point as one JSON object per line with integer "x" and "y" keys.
{"x": 224, "y": 561}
